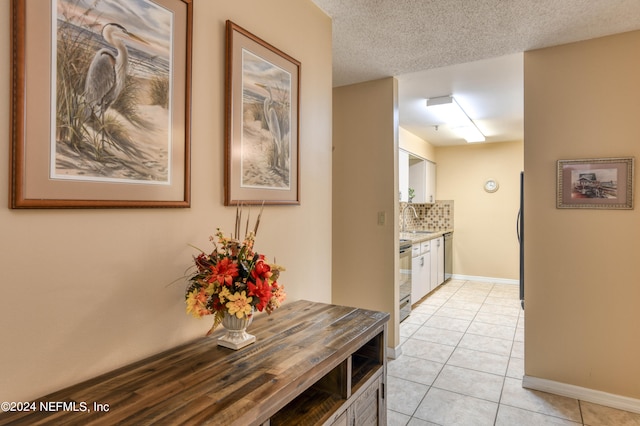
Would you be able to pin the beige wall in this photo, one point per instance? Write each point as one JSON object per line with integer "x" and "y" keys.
{"x": 582, "y": 272}
{"x": 365, "y": 181}
{"x": 414, "y": 144}
{"x": 485, "y": 242}
{"x": 86, "y": 291}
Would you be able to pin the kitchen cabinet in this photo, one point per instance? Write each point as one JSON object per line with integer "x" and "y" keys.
{"x": 403, "y": 175}
{"x": 416, "y": 173}
{"x": 417, "y": 179}
{"x": 420, "y": 270}
{"x": 430, "y": 184}
{"x": 422, "y": 178}
{"x": 436, "y": 272}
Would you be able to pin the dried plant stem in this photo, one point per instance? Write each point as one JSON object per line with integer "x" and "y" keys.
{"x": 255, "y": 229}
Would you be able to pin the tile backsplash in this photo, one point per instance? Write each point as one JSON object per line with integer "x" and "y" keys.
{"x": 431, "y": 217}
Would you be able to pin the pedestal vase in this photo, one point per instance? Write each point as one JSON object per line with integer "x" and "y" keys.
{"x": 236, "y": 336}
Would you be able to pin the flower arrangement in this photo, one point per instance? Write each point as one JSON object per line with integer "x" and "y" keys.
{"x": 233, "y": 278}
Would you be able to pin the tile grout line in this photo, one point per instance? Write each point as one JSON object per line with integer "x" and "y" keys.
{"x": 412, "y": 416}
{"x": 580, "y": 410}
{"x": 504, "y": 378}
{"x": 452, "y": 352}
{"x": 452, "y": 297}
{"x": 495, "y": 417}
{"x": 443, "y": 364}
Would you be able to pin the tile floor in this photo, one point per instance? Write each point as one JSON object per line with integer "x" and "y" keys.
{"x": 462, "y": 364}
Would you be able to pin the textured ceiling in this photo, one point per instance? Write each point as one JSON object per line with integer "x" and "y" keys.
{"x": 443, "y": 47}
{"x": 380, "y": 38}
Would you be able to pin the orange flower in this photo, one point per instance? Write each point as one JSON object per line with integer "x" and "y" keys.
{"x": 224, "y": 272}
{"x": 262, "y": 290}
{"x": 197, "y": 303}
{"x": 261, "y": 269}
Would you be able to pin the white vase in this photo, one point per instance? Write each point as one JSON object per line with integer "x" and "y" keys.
{"x": 236, "y": 336}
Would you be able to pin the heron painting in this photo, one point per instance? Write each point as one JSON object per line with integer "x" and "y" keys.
{"x": 262, "y": 113}
{"x": 112, "y": 99}
{"x": 266, "y": 136}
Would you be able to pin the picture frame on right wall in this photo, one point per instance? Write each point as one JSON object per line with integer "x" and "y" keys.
{"x": 598, "y": 183}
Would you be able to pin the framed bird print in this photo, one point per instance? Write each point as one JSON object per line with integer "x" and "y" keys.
{"x": 262, "y": 97}
{"x": 100, "y": 103}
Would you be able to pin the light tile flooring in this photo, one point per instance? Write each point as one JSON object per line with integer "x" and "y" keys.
{"x": 462, "y": 364}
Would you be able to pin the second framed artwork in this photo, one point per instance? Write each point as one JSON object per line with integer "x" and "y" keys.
{"x": 262, "y": 98}
{"x": 600, "y": 183}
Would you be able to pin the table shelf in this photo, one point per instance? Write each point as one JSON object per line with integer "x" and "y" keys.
{"x": 312, "y": 363}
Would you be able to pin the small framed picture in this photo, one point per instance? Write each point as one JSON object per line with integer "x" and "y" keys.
{"x": 261, "y": 121}
{"x": 599, "y": 183}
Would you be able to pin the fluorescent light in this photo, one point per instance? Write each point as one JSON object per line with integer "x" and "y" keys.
{"x": 448, "y": 110}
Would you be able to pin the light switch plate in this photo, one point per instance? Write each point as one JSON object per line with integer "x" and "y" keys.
{"x": 382, "y": 217}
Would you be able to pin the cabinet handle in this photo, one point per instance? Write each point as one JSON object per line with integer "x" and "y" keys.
{"x": 422, "y": 261}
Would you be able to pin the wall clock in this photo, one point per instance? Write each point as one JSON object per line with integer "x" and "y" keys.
{"x": 491, "y": 185}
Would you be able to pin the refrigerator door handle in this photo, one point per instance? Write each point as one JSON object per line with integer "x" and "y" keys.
{"x": 520, "y": 233}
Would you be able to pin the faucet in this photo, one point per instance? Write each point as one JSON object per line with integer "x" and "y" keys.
{"x": 404, "y": 221}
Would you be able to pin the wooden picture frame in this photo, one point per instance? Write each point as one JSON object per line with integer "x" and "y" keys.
{"x": 73, "y": 145}
{"x": 262, "y": 110}
{"x": 599, "y": 183}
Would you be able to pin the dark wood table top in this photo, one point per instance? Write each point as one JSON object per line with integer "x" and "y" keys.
{"x": 203, "y": 383}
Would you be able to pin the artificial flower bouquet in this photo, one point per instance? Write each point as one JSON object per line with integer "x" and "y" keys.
{"x": 233, "y": 278}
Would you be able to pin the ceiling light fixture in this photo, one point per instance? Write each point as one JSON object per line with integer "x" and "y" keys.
{"x": 448, "y": 110}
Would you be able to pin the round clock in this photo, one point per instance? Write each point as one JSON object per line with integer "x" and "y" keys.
{"x": 491, "y": 185}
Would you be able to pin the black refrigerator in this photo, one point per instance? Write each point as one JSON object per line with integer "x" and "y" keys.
{"x": 520, "y": 233}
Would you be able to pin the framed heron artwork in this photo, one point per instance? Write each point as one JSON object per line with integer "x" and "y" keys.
{"x": 101, "y": 103}
{"x": 261, "y": 121}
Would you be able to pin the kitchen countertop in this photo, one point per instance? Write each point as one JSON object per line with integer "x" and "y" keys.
{"x": 420, "y": 235}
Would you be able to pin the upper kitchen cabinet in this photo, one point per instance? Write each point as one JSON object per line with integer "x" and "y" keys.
{"x": 403, "y": 175}
{"x": 430, "y": 185}
{"x": 418, "y": 174}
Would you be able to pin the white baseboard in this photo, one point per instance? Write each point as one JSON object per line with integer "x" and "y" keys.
{"x": 584, "y": 394}
{"x": 394, "y": 353}
{"x": 485, "y": 279}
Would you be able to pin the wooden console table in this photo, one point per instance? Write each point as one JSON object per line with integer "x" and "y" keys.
{"x": 312, "y": 363}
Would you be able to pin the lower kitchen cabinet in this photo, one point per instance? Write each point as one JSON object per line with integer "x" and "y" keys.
{"x": 420, "y": 271}
{"x": 427, "y": 267}
{"x": 437, "y": 263}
